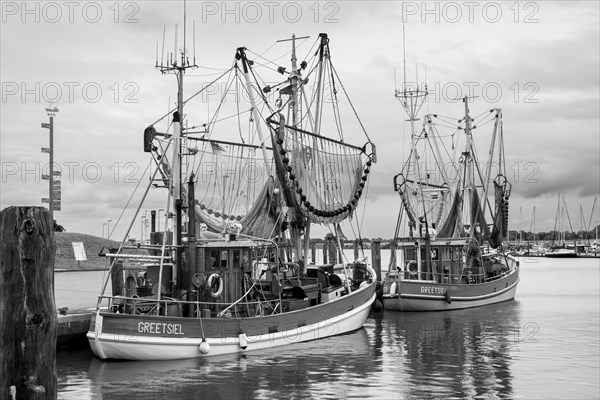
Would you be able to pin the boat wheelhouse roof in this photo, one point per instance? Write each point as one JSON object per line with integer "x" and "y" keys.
{"x": 220, "y": 243}
{"x": 406, "y": 241}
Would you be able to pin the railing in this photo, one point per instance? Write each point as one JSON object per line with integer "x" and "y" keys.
{"x": 168, "y": 306}
{"x": 471, "y": 275}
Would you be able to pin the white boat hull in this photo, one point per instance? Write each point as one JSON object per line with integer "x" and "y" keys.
{"x": 131, "y": 346}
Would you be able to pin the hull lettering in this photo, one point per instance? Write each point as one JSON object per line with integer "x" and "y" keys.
{"x": 160, "y": 328}
{"x": 433, "y": 290}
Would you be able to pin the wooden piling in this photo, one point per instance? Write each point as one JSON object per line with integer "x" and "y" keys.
{"x": 116, "y": 276}
{"x": 332, "y": 250}
{"x": 393, "y": 261}
{"x": 356, "y": 246}
{"x": 376, "y": 257}
{"x": 28, "y": 317}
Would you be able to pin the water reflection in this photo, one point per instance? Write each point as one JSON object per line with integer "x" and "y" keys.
{"x": 543, "y": 345}
{"x": 313, "y": 369}
{"x": 457, "y": 354}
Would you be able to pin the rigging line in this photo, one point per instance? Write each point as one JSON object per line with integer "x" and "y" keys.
{"x": 260, "y": 92}
{"x": 278, "y": 58}
{"x": 447, "y": 127}
{"x": 435, "y": 132}
{"x": 486, "y": 112}
{"x": 122, "y": 244}
{"x": 448, "y": 119}
{"x": 211, "y": 68}
{"x": 214, "y": 120}
{"x": 334, "y": 102}
{"x": 480, "y": 124}
{"x": 315, "y": 44}
{"x": 270, "y": 47}
{"x": 591, "y": 214}
{"x": 130, "y": 197}
{"x": 237, "y": 103}
{"x": 365, "y": 204}
{"x": 351, "y": 105}
{"x": 191, "y": 97}
{"x": 203, "y": 75}
{"x": 266, "y": 64}
{"x": 567, "y": 212}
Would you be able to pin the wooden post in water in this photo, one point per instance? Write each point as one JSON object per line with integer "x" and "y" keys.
{"x": 28, "y": 317}
{"x": 393, "y": 261}
{"x": 376, "y": 257}
{"x": 331, "y": 249}
{"x": 116, "y": 276}
{"x": 313, "y": 253}
{"x": 356, "y": 244}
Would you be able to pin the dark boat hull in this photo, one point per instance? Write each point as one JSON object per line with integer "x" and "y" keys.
{"x": 429, "y": 296}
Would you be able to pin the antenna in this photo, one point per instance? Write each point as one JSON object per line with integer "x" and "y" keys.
{"x": 417, "y": 74}
{"x": 404, "y": 54}
{"x": 162, "y": 49}
{"x": 194, "y": 40}
{"x": 412, "y": 99}
{"x": 184, "y": 32}
{"x": 175, "y": 51}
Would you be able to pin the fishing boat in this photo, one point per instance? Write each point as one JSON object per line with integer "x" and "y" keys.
{"x": 445, "y": 256}
{"x": 233, "y": 273}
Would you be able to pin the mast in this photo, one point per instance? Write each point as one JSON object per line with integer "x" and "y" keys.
{"x": 534, "y": 225}
{"x": 317, "y": 130}
{"x": 241, "y": 51}
{"x": 469, "y": 163}
{"x": 322, "y": 54}
{"x": 178, "y": 68}
{"x": 412, "y": 101}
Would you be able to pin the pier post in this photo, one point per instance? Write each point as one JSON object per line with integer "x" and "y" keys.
{"x": 116, "y": 276}
{"x": 28, "y": 317}
{"x": 332, "y": 251}
{"x": 356, "y": 244}
{"x": 393, "y": 261}
{"x": 376, "y": 256}
{"x": 313, "y": 253}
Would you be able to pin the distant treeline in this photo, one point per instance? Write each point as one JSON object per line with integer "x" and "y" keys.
{"x": 554, "y": 235}
{"x": 513, "y": 236}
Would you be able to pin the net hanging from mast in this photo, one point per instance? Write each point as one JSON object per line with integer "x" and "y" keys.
{"x": 322, "y": 178}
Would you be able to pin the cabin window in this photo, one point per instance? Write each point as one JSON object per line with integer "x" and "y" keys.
{"x": 447, "y": 253}
{"x": 246, "y": 266}
{"x": 235, "y": 259}
{"x": 214, "y": 259}
{"x": 410, "y": 253}
{"x": 223, "y": 259}
{"x": 456, "y": 254}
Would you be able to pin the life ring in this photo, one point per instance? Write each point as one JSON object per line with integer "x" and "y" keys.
{"x": 211, "y": 280}
{"x": 409, "y": 268}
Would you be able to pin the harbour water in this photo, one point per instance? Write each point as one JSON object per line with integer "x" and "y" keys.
{"x": 543, "y": 345}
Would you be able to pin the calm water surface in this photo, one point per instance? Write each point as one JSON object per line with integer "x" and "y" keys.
{"x": 543, "y": 345}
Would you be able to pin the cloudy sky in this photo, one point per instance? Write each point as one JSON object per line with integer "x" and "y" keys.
{"x": 537, "y": 61}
